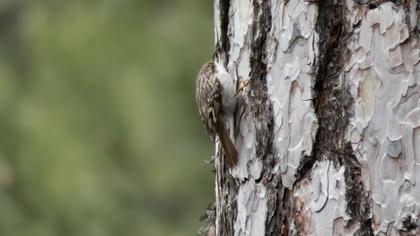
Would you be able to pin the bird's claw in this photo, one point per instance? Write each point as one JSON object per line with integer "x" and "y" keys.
{"x": 242, "y": 87}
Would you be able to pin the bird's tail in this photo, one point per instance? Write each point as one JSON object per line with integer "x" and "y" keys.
{"x": 228, "y": 147}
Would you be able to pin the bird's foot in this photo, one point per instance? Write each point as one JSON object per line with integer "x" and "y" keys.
{"x": 243, "y": 85}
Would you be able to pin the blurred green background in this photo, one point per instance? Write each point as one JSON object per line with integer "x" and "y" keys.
{"x": 99, "y": 131}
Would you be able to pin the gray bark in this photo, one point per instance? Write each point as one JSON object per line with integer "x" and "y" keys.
{"x": 328, "y": 131}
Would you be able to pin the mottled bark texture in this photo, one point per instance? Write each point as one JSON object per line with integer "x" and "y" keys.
{"x": 328, "y": 131}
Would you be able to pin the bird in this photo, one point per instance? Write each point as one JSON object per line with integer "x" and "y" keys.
{"x": 209, "y": 96}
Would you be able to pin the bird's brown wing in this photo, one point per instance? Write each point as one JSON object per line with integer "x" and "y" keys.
{"x": 228, "y": 147}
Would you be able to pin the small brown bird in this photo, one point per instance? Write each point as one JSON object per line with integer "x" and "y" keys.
{"x": 210, "y": 108}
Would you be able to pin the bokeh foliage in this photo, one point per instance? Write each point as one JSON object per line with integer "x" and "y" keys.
{"x": 99, "y": 132}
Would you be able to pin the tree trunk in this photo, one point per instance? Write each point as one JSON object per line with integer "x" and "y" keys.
{"x": 328, "y": 131}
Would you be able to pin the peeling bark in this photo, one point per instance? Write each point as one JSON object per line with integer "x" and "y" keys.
{"x": 328, "y": 132}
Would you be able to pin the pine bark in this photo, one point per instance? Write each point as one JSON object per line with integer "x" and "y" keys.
{"x": 328, "y": 131}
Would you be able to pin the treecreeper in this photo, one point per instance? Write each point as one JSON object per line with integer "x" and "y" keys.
{"x": 209, "y": 98}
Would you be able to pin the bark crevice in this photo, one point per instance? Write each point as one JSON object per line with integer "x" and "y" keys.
{"x": 223, "y": 45}
{"x": 262, "y": 111}
{"x": 333, "y": 107}
{"x": 260, "y": 107}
